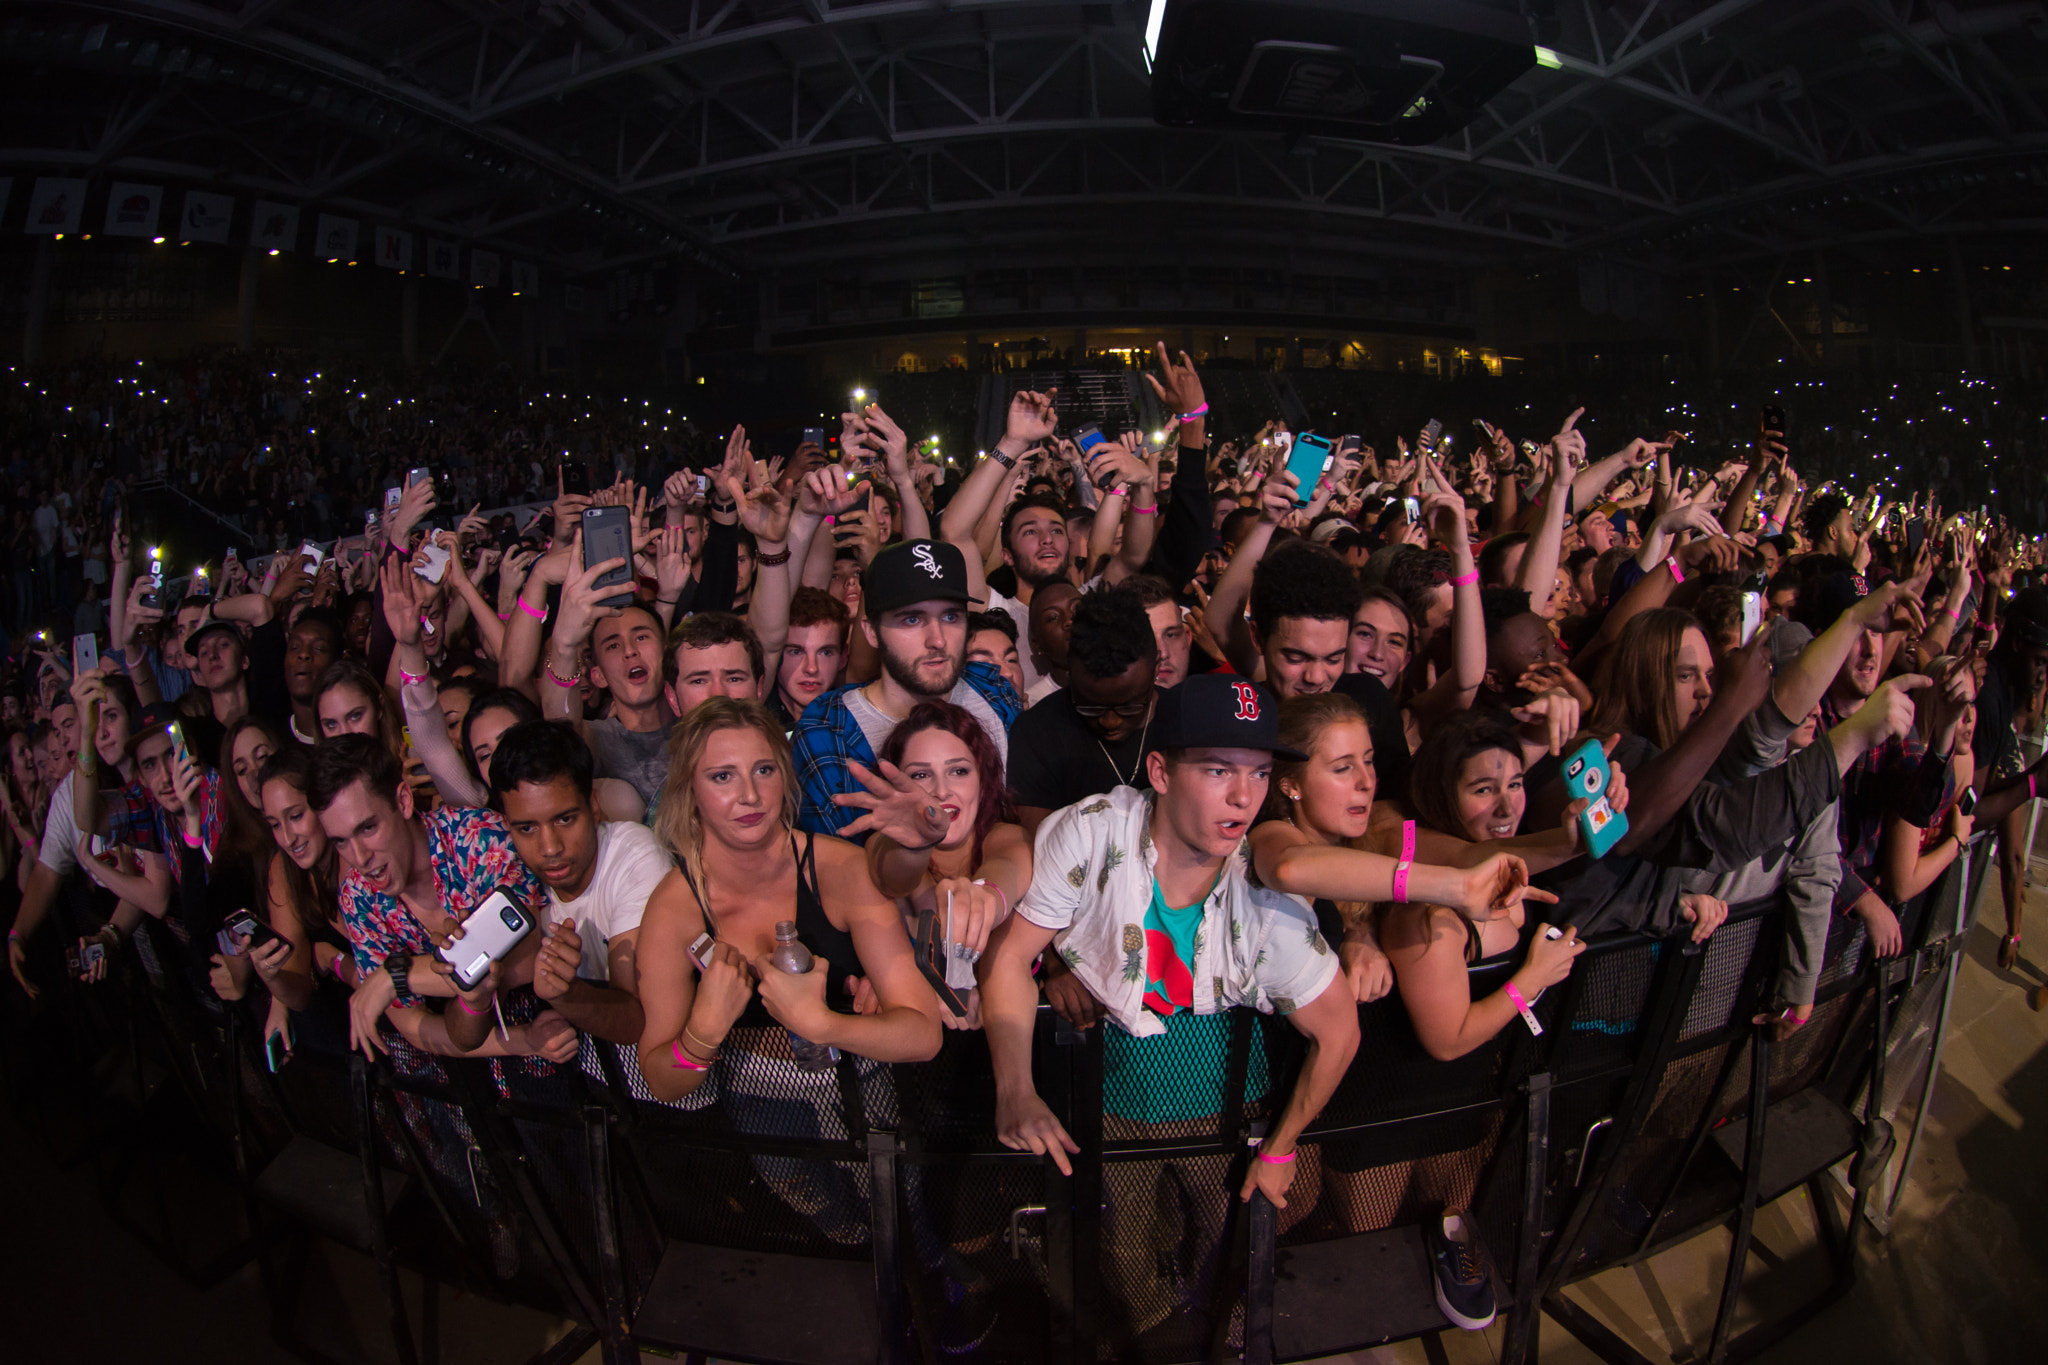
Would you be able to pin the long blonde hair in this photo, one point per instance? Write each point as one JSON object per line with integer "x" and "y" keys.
{"x": 1303, "y": 720}
{"x": 677, "y": 823}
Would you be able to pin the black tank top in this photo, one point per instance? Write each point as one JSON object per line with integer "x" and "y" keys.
{"x": 817, "y": 932}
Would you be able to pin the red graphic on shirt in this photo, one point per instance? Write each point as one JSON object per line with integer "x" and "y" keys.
{"x": 1169, "y": 985}
{"x": 1247, "y": 701}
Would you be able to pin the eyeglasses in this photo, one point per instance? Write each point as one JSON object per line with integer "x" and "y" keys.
{"x": 1130, "y": 710}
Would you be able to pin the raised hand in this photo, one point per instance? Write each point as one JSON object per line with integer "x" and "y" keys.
{"x": 568, "y": 509}
{"x": 554, "y": 967}
{"x": 403, "y": 599}
{"x": 895, "y": 806}
{"x": 1032, "y": 417}
{"x": 1179, "y": 387}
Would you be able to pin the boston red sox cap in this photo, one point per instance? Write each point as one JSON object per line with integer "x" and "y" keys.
{"x": 1220, "y": 711}
{"x": 912, "y": 571}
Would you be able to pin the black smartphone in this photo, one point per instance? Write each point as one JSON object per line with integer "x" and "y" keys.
{"x": 608, "y": 534}
{"x": 1916, "y": 536}
{"x": 1774, "y": 418}
{"x": 277, "y": 1050}
{"x": 154, "y": 598}
{"x": 246, "y": 930}
{"x": 932, "y": 956}
{"x": 1967, "y": 802}
{"x": 814, "y": 436}
{"x": 422, "y": 474}
{"x": 576, "y": 477}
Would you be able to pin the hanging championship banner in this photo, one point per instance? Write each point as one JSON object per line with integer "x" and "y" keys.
{"x": 336, "y": 239}
{"x": 55, "y": 205}
{"x": 443, "y": 259}
{"x": 207, "y": 216}
{"x": 132, "y": 209}
{"x": 394, "y": 249}
{"x": 275, "y": 226}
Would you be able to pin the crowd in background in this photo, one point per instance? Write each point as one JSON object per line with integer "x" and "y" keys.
{"x": 1148, "y": 727}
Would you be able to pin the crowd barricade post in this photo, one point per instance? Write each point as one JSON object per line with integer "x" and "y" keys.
{"x": 1782, "y": 1115}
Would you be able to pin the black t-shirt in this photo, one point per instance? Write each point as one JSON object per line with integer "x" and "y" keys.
{"x": 1056, "y": 760}
{"x": 1389, "y": 735}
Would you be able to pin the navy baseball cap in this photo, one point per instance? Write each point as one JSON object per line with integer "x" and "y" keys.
{"x": 1221, "y": 711}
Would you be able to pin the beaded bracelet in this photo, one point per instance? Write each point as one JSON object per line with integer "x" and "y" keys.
{"x": 548, "y": 667}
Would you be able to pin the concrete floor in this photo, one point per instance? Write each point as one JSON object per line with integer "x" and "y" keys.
{"x": 1962, "y": 1278}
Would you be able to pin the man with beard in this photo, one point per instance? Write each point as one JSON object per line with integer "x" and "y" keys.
{"x": 916, "y": 594}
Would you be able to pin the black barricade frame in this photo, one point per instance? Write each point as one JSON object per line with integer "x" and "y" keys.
{"x": 1576, "y": 1151}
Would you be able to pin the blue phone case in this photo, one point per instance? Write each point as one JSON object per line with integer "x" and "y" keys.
{"x": 1307, "y": 460}
{"x": 1586, "y": 774}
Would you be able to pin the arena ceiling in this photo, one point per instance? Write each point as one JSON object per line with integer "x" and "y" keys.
{"x": 758, "y": 136}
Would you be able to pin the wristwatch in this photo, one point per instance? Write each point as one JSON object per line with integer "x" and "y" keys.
{"x": 398, "y": 966}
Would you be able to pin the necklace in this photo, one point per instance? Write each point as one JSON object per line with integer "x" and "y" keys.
{"x": 1132, "y": 781}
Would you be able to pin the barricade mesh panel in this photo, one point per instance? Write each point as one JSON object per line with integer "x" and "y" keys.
{"x": 973, "y": 1291}
{"x": 1164, "y": 1251}
{"x": 1844, "y": 960}
{"x": 1801, "y": 1060}
{"x": 1723, "y": 976}
{"x": 1609, "y": 990}
{"x": 1650, "y": 1162}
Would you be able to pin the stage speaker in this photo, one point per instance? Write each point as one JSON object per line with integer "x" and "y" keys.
{"x": 1399, "y": 71}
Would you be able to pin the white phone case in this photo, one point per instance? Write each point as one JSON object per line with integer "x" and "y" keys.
{"x": 492, "y": 930}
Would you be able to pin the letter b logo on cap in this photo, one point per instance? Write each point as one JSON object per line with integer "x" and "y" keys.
{"x": 1247, "y": 701}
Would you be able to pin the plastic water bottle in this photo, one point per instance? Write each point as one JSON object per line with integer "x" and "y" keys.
{"x": 791, "y": 956}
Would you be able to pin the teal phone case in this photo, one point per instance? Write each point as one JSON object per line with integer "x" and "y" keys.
{"x": 1586, "y": 774}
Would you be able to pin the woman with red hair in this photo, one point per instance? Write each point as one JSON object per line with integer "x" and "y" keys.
{"x": 946, "y": 842}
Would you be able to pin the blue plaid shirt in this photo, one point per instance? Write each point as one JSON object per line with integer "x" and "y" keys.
{"x": 828, "y": 738}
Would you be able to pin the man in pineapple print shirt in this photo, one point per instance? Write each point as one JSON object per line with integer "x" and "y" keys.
{"x": 1148, "y": 897}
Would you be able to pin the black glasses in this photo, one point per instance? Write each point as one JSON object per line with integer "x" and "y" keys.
{"x": 1130, "y": 710}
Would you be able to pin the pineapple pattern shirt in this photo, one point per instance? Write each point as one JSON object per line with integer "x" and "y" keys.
{"x": 1093, "y": 883}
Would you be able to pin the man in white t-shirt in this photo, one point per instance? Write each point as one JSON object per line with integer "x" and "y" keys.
{"x": 598, "y": 878}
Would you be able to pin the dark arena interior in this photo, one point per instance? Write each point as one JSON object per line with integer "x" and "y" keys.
{"x": 882, "y": 682}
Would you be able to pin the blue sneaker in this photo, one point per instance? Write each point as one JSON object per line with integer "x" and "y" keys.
{"x": 1463, "y": 1290}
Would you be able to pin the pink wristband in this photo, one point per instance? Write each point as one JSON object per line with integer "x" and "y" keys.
{"x": 523, "y": 606}
{"x": 1465, "y": 580}
{"x": 2030, "y": 797}
{"x": 474, "y": 1014}
{"x": 1407, "y": 861}
{"x": 1276, "y": 1160}
{"x": 1954, "y": 616}
{"x": 1151, "y": 511}
{"x": 683, "y": 1058}
{"x": 406, "y": 679}
{"x": 1514, "y": 995}
{"x": 1671, "y": 563}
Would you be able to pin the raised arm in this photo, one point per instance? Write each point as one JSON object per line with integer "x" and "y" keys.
{"x": 1538, "y": 575}
{"x": 1225, "y": 612}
